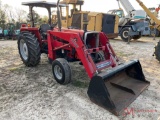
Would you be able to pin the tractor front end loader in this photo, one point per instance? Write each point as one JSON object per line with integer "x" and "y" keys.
{"x": 113, "y": 89}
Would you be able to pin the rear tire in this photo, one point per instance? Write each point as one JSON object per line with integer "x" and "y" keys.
{"x": 157, "y": 51}
{"x": 124, "y": 34}
{"x": 61, "y": 71}
{"x": 29, "y": 49}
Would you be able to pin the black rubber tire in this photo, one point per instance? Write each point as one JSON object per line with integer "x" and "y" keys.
{"x": 157, "y": 51}
{"x": 136, "y": 37}
{"x": 34, "y": 51}
{"x": 125, "y": 39}
{"x": 65, "y": 71}
{"x": 100, "y": 57}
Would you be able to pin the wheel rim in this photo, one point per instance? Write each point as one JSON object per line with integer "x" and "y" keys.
{"x": 58, "y": 72}
{"x": 23, "y": 49}
{"x": 125, "y": 34}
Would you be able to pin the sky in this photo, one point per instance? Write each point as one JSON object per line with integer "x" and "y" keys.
{"x": 89, "y": 5}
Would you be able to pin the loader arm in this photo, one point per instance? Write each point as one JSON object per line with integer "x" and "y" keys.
{"x": 74, "y": 41}
{"x": 149, "y": 13}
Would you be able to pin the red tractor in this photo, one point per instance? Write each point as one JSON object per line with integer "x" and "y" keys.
{"x": 113, "y": 89}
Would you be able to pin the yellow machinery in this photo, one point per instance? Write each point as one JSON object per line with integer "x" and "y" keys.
{"x": 75, "y": 18}
{"x": 67, "y": 13}
{"x": 157, "y": 26}
{"x": 106, "y": 23}
{"x": 152, "y": 16}
{"x": 155, "y": 12}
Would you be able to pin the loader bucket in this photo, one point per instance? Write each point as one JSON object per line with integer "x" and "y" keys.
{"x": 118, "y": 88}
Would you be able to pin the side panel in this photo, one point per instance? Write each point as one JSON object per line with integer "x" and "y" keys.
{"x": 108, "y": 23}
{"x": 95, "y": 22}
{"x": 91, "y": 23}
{"x": 116, "y": 24}
{"x": 99, "y": 22}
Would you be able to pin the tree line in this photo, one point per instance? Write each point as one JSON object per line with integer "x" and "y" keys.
{"x": 8, "y": 14}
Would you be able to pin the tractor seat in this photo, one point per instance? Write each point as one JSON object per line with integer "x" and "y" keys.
{"x": 43, "y": 30}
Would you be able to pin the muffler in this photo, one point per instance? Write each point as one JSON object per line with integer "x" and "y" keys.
{"x": 117, "y": 88}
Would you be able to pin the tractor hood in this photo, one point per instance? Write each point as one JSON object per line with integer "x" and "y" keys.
{"x": 81, "y": 32}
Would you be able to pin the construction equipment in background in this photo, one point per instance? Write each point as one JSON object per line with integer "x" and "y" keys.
{"x": 157, "y": 26}
{"x": 114, "y": 89}
{"x": 154, "y": 11}
{"x": 107, "y": 23}
{"x": 155, "y": 21}
{"x": 154, "y": 32}
{"x": 131, "y": 11}
{"x": 134, "y": 20}
{"x": 9, "y": 31}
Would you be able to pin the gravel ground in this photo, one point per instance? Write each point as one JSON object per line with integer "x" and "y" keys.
{"x": 33, "y": 94}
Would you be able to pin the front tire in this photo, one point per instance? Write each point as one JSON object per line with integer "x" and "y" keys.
{"x": 100, "y": 57}
{"x": 29, "y": 49}
{"x": 61, "y": 71}
{"x": 157, "y": 51}
{"x": 124, "y": 34}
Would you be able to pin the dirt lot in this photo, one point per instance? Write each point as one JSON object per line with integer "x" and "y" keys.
{"x": 33, "y": 94}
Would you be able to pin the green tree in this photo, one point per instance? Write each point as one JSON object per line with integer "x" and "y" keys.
{"x": 2, "y": 16}
{"x": 9, "y": 12}
{"x": 36, "y": 17}
{"x": 2, "y": 19}
{"x": 44, "y": 19}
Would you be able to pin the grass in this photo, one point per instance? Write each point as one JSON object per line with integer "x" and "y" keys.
{"x": 15, "y": 69}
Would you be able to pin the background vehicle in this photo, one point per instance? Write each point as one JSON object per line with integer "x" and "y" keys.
{"x": 153, "y": 17}
{"x": 9, "y": 31}
{"x": 123, "y": 82}
{"x": 135, "y": 20}
{"x": 157, "y": 26}
{"x": 102, "y": 22}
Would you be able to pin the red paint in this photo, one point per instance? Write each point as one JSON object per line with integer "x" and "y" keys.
{"x": 72, "y": 39}
{"x": 158, "y": 9}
